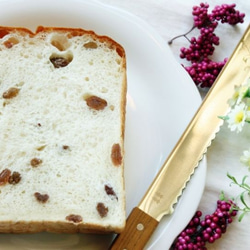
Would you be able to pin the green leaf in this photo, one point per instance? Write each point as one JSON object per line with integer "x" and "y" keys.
{"x": 242, "y": 198}
{"x": 244, "y": 179}
{"x": 232, "y": 178}
{"x": 226, "y": 117}
{"x": 245, "y": 185}
{"x": 247, "y": 93}
{"x": 241, "y": 216}
{"x": 222, "y": 196}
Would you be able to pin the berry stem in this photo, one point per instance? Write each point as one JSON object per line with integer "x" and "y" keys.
{"x": 185, "y": 35}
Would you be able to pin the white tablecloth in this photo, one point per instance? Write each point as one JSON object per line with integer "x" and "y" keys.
{"x": 171, "y": 18}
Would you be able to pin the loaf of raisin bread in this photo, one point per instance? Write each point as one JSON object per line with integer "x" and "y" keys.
{"x": 62, "y": 116}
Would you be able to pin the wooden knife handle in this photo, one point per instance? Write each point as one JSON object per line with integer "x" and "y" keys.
{"x": 139, "y": 227}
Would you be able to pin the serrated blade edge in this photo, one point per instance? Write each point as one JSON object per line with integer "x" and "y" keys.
{"x": 177, "y": 170}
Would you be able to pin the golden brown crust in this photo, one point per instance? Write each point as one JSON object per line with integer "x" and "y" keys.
{"x": 20, "y": 227}
{"x": 6, "y": 30}
{"x": 71, "y": 32}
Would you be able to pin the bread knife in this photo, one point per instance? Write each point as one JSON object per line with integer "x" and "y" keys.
{"x": 180, "y": 165}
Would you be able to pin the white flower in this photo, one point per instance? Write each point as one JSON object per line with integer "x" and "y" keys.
{"x": 237, "y": 117}
{"x": 240, "y": 93}
{"x": 232, "y": 101}
{"x": 245, "y": 158}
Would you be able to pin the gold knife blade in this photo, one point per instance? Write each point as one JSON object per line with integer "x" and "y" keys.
{"x": 178, "y": 168}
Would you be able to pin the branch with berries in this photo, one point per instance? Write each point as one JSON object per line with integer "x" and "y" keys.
{"x": 199, "y": 232}
{"x": 203, "y": 70}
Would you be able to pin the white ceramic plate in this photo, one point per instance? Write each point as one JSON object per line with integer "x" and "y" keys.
{"x": 161, "y": 101}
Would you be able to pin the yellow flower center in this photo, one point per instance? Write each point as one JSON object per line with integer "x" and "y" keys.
{"x": 236, "y": 95}
{"x": 239, "y": 117}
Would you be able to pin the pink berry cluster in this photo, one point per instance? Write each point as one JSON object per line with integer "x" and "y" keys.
{"x": 203, "y": 69}
{"x": 199, "y": 232}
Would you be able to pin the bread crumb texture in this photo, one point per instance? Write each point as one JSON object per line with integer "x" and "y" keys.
{"x": 62, "y": 109}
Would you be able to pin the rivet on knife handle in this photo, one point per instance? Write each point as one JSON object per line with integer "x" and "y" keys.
{"x": 176, "y": 171}
{"x": 139, "y": 228}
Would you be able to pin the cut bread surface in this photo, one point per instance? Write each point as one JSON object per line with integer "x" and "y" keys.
{"x": 62, "y": 116}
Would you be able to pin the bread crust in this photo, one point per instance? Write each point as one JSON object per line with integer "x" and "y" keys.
{"x": 68, "y": 226}
{"x": 21, "y": 227}
{"x": 5, "y": 30}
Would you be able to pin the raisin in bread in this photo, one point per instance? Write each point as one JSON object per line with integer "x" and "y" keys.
{"x": 62, "y": 115}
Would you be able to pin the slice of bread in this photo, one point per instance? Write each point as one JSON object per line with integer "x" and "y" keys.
{"x": 62, "y": 116}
